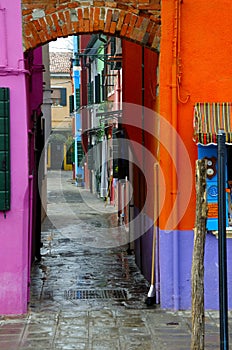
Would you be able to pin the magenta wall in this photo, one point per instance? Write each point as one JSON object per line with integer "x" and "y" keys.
{"x": 14, "y": 227}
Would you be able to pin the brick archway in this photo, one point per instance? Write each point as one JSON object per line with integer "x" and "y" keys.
{"x": 46, "y": 20}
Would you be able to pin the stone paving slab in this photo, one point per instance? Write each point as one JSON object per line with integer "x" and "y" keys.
{"x": 71, "y": 262}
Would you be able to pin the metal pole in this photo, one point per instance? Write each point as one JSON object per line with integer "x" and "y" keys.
{"x": 222, "y": 256}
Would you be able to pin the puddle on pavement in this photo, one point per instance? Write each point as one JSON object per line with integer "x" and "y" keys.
{"x": 72, "y": 262}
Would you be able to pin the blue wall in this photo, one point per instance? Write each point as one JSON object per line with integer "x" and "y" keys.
{"x": 76, "y": 82}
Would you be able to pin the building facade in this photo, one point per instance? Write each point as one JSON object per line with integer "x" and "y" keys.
{"x": 182, "y": 74}
{"x": 60, "y": 142}
{"x": 194, "y": 68}
{"x": 100, "y": 68}
{"x": 21, "y": 79}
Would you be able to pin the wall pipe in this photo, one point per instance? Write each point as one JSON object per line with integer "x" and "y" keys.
{"x": 4, "y": 68}
{"x": 118, "y": 89}
{"x": 179, "y": 72}
{"x": 30, "y": 231}
{"x": 12, "y": 71}
{"x": 174, "y": 158}
{"x": 157, "y": 247}
{"x": 4, "y": 36}
{"x": 222, "y": 250}
{"x": 153, "y": 293}
{"x": 143, "y": 209}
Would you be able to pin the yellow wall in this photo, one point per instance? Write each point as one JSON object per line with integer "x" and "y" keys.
{"x": 60, "y": 114}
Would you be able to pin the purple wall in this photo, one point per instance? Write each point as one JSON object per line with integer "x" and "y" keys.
{"x": 185, "y": 247}
{"x": 143, "y": 246}
{"x": 35, "y": 100}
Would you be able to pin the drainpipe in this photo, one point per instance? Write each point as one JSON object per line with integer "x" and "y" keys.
{"x": 30, "y": 232}
{"x": 118, "y": 90}
{"x": 142, "y": 191}
{"x": 154, "y": 291}
{"x": 176, "y": 295}
{"x": 4, "y": 59}
{"x": 122, "y": 201}
{"x": 4, "y": 36}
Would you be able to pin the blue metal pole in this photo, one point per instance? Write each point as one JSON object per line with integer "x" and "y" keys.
{"x": 222, "y": 255}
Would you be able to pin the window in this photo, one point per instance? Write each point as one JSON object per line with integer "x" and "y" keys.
{"x": 59, "y": 97}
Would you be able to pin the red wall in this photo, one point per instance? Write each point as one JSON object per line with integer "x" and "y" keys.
{"x": 140, "y": 125}
{"x": 139, "y": 122}
{"x": 134, "y": 113}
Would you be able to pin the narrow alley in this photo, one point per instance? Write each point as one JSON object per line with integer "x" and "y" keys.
{"x": 87, "y": 292}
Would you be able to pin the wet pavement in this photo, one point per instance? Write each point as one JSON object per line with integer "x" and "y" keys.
{"x": 87, "y": 292}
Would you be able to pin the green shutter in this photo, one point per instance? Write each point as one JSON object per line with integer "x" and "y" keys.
{"x": 70, "y": 154}
{"x": 115, "y": 153}
{"x": 90, "y": 92}
{"x": 97, "y": 89}
{"x": 4, "y": 149}
{"x": 71, "y": 104}
{"x": 78, "y": 98}
{"x": 80, "y": 153}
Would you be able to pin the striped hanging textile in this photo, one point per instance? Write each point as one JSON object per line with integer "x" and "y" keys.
{"x": 209, "y": 118}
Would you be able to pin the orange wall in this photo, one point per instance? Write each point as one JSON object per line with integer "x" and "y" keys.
{"x": 205, "y": 50}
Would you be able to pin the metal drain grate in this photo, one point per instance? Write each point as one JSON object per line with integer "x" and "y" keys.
{"x": 119, "y": 294}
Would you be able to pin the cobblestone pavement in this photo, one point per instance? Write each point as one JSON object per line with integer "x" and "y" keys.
{"x": 87, "y": 293}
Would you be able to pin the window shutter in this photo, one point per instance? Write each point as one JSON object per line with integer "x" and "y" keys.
{"x": 4, "y": 149}
{"x": 103, "y": 86}
{"x": 113, "y": 46}
{"x": 80, "y": 153}
{"x": 63, "y": 97}
{"x": 113, "y": 50}
{"x": 78, "y": 98}
{"x": 115, "y": 146}
{"x": 97, "y": 88}
{"x": 70, "y": 154}
{"x": 71, "y": 104}
{"x": 90, "y": 92}
{"x": 90, "y": 157}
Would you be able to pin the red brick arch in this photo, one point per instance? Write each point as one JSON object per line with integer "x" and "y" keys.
{"x": 46, "y": 20}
